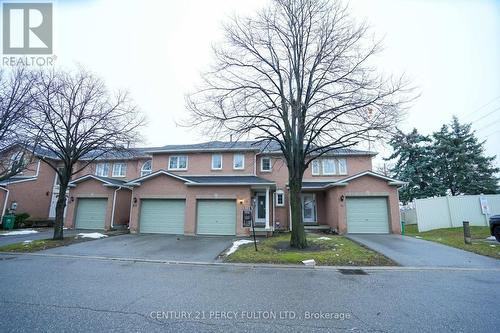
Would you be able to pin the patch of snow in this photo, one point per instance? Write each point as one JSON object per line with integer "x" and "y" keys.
{"x": 27, "y": 241}
{"x": 493, "y": 245}
{"x": 19, "y": 232}
{"x": 418, "y": 237}
{"x": 491, "y": 238}
{"x": 237, "y": 244}
{"x": 337, "y": 254}
{"x": 94, "y": 235}
{"x": 324, "y": 238}
{"x": 309, "y": 262}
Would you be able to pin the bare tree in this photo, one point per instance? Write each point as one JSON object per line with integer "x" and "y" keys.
{"x": 78, "y": 120}
{"x": 15, "y": 103}
{"x": 300, "y": 74}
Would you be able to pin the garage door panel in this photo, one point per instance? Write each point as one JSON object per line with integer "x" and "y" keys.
{"x": 216, "y": 217}
{"x": 91, "y": 213}
{"x": 162, "y": 216}
{"x": 367, "y": 215}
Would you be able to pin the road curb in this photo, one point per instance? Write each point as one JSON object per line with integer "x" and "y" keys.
{"x": 250, "y": 265}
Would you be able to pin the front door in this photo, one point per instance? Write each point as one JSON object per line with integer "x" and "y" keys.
{"x": 309, "y": 208}
{"x": 260, "y": 213}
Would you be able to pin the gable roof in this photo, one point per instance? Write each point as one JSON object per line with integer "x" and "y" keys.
{"x": 228, "y": 180}
{"x": 322, "y": 185}
{"x": 105, "y": 180}
{"x": 391, "y": 181}
{"x": 205, "y": 180}
{"x": 138, "y": 181}
{"x": 17, "y": 179}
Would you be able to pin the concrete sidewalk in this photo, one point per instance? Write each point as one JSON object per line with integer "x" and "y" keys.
{"x": 409, "y": 251}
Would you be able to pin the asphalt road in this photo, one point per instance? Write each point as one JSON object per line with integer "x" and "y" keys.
{"x": 41, "y": 293}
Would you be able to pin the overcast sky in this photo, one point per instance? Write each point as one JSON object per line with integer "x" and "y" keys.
{"x": 158, "y": 49}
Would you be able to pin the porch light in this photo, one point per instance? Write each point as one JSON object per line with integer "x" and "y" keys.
{"x": 135, "y": 200}
{"x": 342, "y": 197}
{"x": 241, "y": 201}
{"x": 72, "y": 199}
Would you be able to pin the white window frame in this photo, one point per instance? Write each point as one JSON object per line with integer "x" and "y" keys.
{"x": 318, "y": 164}
{"x": 123, "y": 169}
{"x": 278, "y": 194}
{"x": 242, "y": 162}
{"x": 178, "y": 159}
{"x": 221, "y": 157}
{"x": 334, "y": 166}
{"x": 344, "y": 170}
{"x": 262, "y": 164}
{"x": 105, "y": 166}
{"x": 145, "y": 172}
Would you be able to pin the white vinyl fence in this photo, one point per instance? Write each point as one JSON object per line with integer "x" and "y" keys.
{"x": 450, "y": 212}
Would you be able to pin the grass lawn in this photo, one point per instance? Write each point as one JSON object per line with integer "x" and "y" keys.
{"x": 42, "y": 244}
{"x": 455, "y": 237}
{"x": 326, "y": 250}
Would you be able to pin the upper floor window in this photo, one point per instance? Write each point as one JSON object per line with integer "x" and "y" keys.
{"x": 119, "y": 170}
{"x": 177, "y": 162}
{"x": 280, "y": 198}
{"x": 16, "y": 162}
{"x": 102, "y": 169}
{"x": 265, "y": 164}
{"x": 342, "y": 166}
{"x": 315, "y": 168}
{"x": 329, "y": 166}
{"x": 147, "y": 167}
{"x": 216, "y": 161}
{"x": 239, "y": 161}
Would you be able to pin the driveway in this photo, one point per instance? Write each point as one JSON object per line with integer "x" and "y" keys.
{"x": 151, "y": 246}
{"x": 409, "y": 251}
{"x": 45, "y": 233}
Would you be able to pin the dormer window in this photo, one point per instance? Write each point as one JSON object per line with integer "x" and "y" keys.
{"x": 265, "y": 164}
{"x": 216, "y": 161}
{"x": 147, "y": 168}
{"x": 177, "y": 162}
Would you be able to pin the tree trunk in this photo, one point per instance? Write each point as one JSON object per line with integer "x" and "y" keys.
{"x": 298, "y": 237}
{"x": 60, "y": 205}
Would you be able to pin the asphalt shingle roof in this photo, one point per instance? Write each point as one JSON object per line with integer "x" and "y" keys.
{"x": 314, "y": 185}
{"x": 259, "y": 146}
{"x": 227, "y": 180}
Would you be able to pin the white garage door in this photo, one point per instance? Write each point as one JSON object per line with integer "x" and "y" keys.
{"x": 90, "y": 213}
{"x": 162, "y": 216}
{"x": 367, "y": 215}
{"x": 216, "y": 217}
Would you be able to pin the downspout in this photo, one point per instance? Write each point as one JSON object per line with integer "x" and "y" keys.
{"x": 255, "y": 164}
{"x": 131, "y": 206}
{"x": 113, "y": 209}
{"x": 5, "y": 202}
{"x": 274, "y": 210}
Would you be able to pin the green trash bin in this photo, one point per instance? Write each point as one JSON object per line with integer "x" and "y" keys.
{"x": 403, "y": 227}
{"x": 8, "y": 221}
